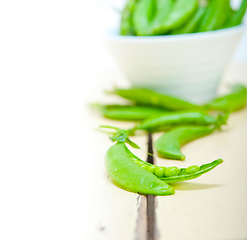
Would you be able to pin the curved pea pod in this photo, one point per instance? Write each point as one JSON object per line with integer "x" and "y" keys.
{"x": 130, "y": 176}
{"x": 191, "y": 172}
{"x": 231, "y": 102}
{"x": 127, "y": 112}
{"x": 163, "y": 8}
{"x": 151, "y": 98}
{"x": 142, "y": 16}
{"x": 230, "y": 13}
{"x": 181, "y": 11}
{"x": 127, "y": 26}
{"x": 180, "y": 118}
{"x": 192, "y": 24}
{"x": 237, "y": 16}
{"x": 215, "y": 16}
{"x": 169, "y": 144}
{"x": 175, "y": 174}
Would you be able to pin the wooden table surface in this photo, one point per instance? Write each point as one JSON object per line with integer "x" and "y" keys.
{"x": 211, "y": 207}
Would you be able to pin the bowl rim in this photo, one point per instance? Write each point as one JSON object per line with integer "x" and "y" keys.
{"x": 112, "y": 34}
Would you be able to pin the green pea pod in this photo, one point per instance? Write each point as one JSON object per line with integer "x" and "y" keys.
{"x": 163, "y": 8}
{"x": 238, "y": 16}
{"x": 151, "y": 98}
{"x": 215, "y": 16}
{"x": 127, "y": 26}
{"x": 126, "y": 173}
{"x": 192, "y": 24}
{"x": 170, "y": 120}
{"x": 169, "y": 144}
{"x": 181, "y": 11}
{"x": 231, "y": 102}
{"x": 142, "y": 16}
{"x": 135, "y": 175}
{"x": 127, "y": 112}
{"x": 230, "y": 14}
{"x": 175, "y": 174}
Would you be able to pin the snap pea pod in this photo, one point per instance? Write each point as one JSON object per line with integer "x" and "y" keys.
{"x": 181, "y": 11}
{"x": 238, "y": 16}
{"x": 215, "y": 16}
{"x": 127, "y": 26}
{"x": 125, "y": 172}
{"x": 179, "y": 118}
{"x": 142, "y": 16}
{"x": 169, "y": 144}
{"x": 192, "y": 24}
{"x": 230, "y": 13}
{"x": 151, "y": 98}
{"x": 175, "y": 174}
{"x": 231, "y": 102}
{"x": 163, "y": 8}
{"x": 127, "y": 112}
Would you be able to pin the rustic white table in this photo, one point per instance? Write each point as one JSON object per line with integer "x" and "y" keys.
{"x": 211, "y": 207}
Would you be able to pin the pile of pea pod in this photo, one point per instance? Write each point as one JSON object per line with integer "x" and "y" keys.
{"x": 163, "y": 17}
{"x": 179, "y": 120}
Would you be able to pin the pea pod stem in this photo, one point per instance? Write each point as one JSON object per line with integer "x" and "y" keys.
{"x": 119, "y": 135}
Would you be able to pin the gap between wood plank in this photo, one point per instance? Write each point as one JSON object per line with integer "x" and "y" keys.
{"x": 146, "y": 220}
{"x": 150, "y": 198}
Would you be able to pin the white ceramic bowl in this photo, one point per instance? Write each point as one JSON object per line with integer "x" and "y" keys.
{"x": 189, "y": 66}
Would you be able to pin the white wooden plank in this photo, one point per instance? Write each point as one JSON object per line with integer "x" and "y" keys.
{"x": 115, "y": 213}
{"x": 114, "y": 210}
{"x": 214, "y": 205}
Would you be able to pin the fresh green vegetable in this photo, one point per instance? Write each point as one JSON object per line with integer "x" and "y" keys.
{"x": 127, "y": 25}
{"x": 127, "y": 112}
{"x": 135, "y": 175}
{"x": 231, "y": 102}
{"x": 163, "y": 8}
{"x": 150, "y": 98}
{"x": 175, "y": 174}
{"x": 237, "y": 16}
{"x": 125, "y": 172}
{"x": 180, "y": 13}
{"x": 170, "y": 120}
{"x": 192, "y": 24}
{"x": 164, "y": 17}
{"x": 169, "y": 144}
{"x": 215, "y": 16}
{"x": 142, "y": 16}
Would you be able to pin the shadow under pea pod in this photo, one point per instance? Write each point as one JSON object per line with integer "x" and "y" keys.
{"x": 193, "y": 186}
